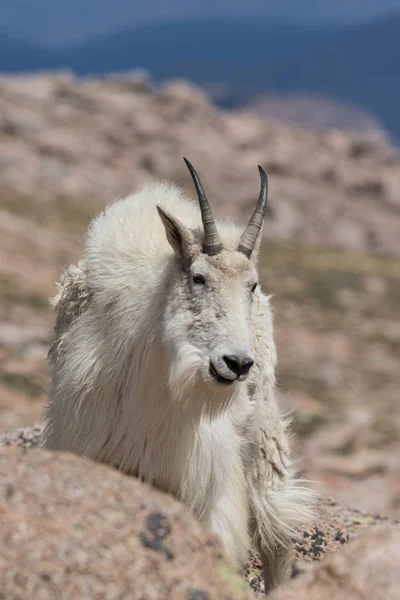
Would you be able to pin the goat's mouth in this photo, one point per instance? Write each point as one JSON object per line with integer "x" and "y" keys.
{"x": 223, "y": 380}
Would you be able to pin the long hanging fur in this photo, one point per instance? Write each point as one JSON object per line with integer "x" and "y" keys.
{"x": 72, "y": 299}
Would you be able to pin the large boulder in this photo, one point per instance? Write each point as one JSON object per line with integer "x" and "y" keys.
{"x": 368, "y": 568}
{"x": 72, "y": 492}
{"x": 72, "y": 529}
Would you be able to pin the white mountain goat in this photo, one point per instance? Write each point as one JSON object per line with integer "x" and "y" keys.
{"x": 164, "y": 365}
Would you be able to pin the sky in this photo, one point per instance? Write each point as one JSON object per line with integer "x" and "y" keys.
{"x": 60, "y": 21}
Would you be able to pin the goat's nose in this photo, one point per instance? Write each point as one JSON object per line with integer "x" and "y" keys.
{"x": 240, "y": 365}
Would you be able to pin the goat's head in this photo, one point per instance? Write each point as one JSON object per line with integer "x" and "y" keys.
{"x": 208, "y": 327}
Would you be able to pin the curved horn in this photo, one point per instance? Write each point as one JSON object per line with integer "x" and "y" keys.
{"x": 212, "y": 243}
{"x": 249, "y": 236}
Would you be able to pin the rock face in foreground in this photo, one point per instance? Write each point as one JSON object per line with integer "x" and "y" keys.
{"x": 69, "y": 524}
{"x": 70, "y": 529}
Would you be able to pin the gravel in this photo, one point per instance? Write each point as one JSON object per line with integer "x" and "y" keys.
{"x": 26, "y": 437}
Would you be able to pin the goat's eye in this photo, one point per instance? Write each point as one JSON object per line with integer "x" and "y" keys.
{"x": 254, "y": 287}
{"x": 199, "y": 279}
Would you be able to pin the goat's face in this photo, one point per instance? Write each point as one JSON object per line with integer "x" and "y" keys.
{"x": 208, "y": 324}
{"x": 208, "y": 327}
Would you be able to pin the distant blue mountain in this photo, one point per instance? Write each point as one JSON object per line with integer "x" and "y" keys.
{"x": 181, "y": 47}
{"x": 54, "y": 21}
{"x": 246, "y": 57}
{"x": 361, "y": 65}
{"x": 21, "y": 55}
{"x": 187, "y": 48}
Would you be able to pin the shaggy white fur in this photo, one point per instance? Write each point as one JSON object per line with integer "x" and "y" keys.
{"x": 140, "y": 381}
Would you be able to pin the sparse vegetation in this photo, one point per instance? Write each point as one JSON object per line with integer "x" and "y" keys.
{"x": 61, "y": 215}
{"x": 23, "y": 383}
{"x": 13, "y": 294}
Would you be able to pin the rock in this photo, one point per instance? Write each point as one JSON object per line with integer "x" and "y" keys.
{"x": 14, "y": 336}
{"x": 135, "y": 80}
{"x": 315, "y": 112}
{"x": 72, "y": 529}
{"x": 335, "y": 525}
{"x": 26, "y": 437}
{"x": 368, "y": 568}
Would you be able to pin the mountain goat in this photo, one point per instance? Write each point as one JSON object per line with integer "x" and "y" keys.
{"x": 163, "y": 367}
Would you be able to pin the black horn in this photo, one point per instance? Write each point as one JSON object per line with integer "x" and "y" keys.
{"x": 249, "y": 236}
{"x": 212, "y": 242}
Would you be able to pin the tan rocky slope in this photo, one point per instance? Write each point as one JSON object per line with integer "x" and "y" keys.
{"x": 86, "y": 142}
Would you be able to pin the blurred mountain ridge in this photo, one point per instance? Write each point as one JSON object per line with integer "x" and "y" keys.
{"x": 237, "y": 60}
{"x": 49, "y": 21}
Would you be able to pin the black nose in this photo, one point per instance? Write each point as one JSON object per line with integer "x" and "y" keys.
{"x": 239, "y": 365}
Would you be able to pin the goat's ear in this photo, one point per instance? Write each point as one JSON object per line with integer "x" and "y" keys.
{"x": 179, "y": 236}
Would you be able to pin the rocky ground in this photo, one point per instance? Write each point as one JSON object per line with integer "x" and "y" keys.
{"x": 331, "y": 256}
{"x": 73, "y": 145}
{"x": 315, "y": 112}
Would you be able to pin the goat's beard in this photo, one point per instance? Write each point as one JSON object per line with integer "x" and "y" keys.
{"x": 192, "y": 386}
{"x": 184, "y": 372}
